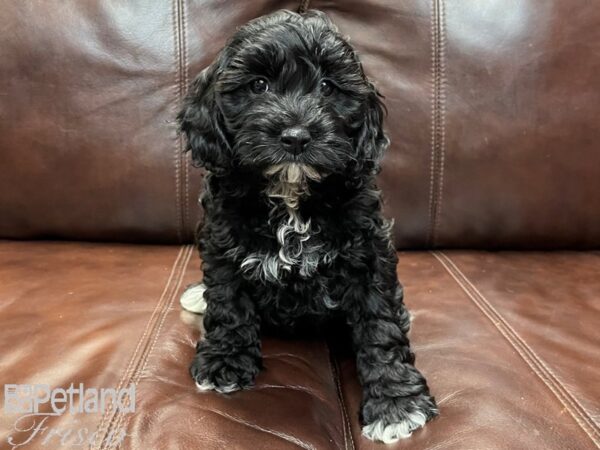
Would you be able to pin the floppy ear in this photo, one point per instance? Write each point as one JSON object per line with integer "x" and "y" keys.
{"x": 372, "y": 141}
{"x": 202, "y": 122}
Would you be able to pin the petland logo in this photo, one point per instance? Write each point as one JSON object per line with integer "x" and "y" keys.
{"x": 36, "y": 403}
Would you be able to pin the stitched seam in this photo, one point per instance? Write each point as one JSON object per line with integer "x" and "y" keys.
{"x": 155, "y": 340}
{"x": 335, "y": 383}
{"x": 123, "y": 419}
{"x": 521, "y": 340}
{"x": 437, "y": 153}
{"x": 442, "y": 118}
{"x": 186, "y": 164}
{"x": 345, "y": 409}
{"x": 132, "y": 361}
{"x": 346, "y": 427}
{"x": 179, "y": 99}
{"x": 516, "y": 340}
{"x": 586, "y": 415}
{"x": 433, "y": 110}
{"x": 539, "y": 367}
{"x": 113, "y": 426}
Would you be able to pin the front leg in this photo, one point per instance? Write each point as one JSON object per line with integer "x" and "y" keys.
{"x": 396, "y": 398}
{"x": 228, "y": 356}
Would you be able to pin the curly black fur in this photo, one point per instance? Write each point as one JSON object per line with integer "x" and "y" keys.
{"x": 293, "y": 235}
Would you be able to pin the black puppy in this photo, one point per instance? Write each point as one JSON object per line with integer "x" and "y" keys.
{"x": 290, "y": 130}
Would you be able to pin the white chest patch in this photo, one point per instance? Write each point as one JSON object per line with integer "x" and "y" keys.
{"x": 288, "y": 183}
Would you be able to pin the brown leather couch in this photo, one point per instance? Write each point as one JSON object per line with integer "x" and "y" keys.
{"x": 494, "y": 114}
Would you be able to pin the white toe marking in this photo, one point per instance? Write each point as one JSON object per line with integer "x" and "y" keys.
{"x": 392, "y": 432}
{"x": 206, "y": 385}
{"x": 228, "y": 389}
{"x": 193, "y": 299}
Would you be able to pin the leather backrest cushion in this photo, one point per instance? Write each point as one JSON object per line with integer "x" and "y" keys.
{"x": 494, "y": 116}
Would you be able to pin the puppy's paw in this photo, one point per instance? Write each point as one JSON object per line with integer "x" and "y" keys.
{"x": 224, "y": 372}
{"x": 192, "y": 299}
{"x": 392, "y": 419}
{"x": 389, "y": 433}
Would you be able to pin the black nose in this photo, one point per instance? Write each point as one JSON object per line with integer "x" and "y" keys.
{"x": 294, "y": 139}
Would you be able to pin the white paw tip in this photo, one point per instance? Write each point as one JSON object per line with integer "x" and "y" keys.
{"x": 192, "y": 299}
{"x": 227, "y": 389}
{"x": 206, "y": 386}
{"x": 393, "y": 432}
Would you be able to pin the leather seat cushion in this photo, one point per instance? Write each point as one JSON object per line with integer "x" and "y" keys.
{"x": 507, "y": 341}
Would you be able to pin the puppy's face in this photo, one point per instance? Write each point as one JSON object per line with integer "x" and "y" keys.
{"x": 286, "y": 89}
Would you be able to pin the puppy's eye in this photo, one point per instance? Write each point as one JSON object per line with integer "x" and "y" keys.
{"x": 326, "y": 88}
{"x": 259, "y": 86}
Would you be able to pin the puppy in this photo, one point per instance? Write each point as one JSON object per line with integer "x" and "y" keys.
{"x": 290, "y": 132}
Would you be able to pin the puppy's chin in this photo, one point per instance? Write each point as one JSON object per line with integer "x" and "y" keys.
{"x": 292, "y": 172}
{"x": 289, "y": 181}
